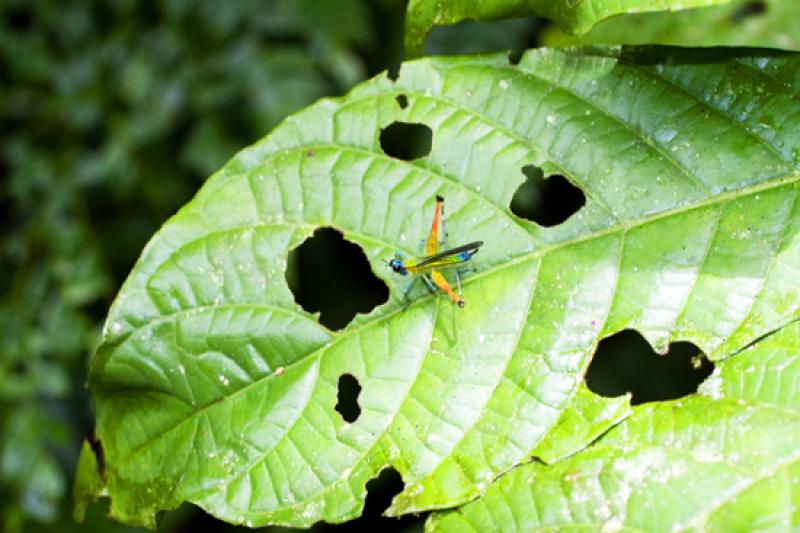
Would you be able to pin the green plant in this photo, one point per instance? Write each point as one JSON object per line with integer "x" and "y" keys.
{"x": 213, "y": 386}
{"x": 115, "y": 112}
{"x": 572, "y": 17}
{"x": 768, "y": 23}
{"x": 724, "y": 460}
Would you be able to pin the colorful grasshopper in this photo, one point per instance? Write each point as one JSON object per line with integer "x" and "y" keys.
{"x": 428, "y": 266}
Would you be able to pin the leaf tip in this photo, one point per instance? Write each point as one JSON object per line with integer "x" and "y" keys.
{"x": 88, "y": 486}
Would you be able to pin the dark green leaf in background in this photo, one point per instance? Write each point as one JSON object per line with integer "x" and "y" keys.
{"x": 768, "y": 23}
{"x": 572, "y": 17}
{"x": 213, "y": 386}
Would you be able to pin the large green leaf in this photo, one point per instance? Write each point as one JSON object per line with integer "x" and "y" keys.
{"x": 572, "y": 17}
{"x": 771, "y": 23}
{"x": 689, "y": 163}
{"x": 725, "y": 460}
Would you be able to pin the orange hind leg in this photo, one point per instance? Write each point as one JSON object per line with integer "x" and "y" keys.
{"x": 440, "y": 282}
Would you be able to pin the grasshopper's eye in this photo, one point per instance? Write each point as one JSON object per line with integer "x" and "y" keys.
{"x": 398, "y": 266}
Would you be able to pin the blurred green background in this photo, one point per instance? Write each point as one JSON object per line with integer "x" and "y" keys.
{"x": 113, "y": 113}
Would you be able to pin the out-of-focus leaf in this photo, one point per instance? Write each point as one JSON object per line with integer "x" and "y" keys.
{"x": 471, "y": 37}
{"x": 572, "y": 17}
{"x": 114, "y": 112}
{"x": 769, "y": 23}
{"x": 214, "y": 387}
{"x": 725, "y": 460}
{"x": 27, "y": 466}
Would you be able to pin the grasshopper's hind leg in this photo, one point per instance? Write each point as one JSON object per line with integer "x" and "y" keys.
{"x": 445, "y": 236}
{"x": 439, "y": 280}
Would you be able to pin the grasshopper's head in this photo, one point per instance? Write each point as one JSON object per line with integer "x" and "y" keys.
{"x": 397, "y": 265}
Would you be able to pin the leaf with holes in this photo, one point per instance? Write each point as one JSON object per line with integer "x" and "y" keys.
{"x": 572, "y": 17}
{"x": 213, "y": 386}
{"x": 725, "y": 460}
{"x": 769, "y": 23}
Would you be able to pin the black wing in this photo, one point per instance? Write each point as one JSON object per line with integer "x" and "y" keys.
{"x": 473, "y": 246}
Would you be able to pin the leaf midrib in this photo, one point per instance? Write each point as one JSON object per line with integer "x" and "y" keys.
{"x": 535, "y": 254}
{"x": 766, "y": 185}
{"x": 720, "y": 198}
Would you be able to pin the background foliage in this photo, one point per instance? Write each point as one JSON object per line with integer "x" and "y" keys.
{"x": 767, "y": 23}
{"x": 115, "y": 112}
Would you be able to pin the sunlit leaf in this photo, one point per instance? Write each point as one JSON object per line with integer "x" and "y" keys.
{"x": 726, "y": 460}
{"x": 213, "y": 386}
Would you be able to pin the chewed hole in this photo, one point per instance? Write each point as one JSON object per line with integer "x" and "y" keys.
{"x": 625, "y": 362}
{"x": 514, "y": 56}
{"x": 750, "y": 9}
{"x": 546, "y": 201}
{"x": 402, "y": 101}
{"x": 330, "y": 274}
{"x": 347, "y": 391}
{"x": 406, "y": 140}
{"x": 380, "y": 492}
{"x": 393, "y": 68}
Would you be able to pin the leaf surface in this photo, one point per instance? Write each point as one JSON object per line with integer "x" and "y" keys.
{"x": 727, "y": 459}
{"x": 770, "y": 23}
{"x": 213, "y": 386}
{"x": 574, "y": 18}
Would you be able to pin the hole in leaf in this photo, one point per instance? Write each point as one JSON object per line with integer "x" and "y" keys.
{"x": 514, "y": 57}
{"x": 329, "y": 274}
{"x": 380, "y": 492}
{"x": 546, "y": 201}
{"x": 625, "y": 362}
{"x": 392, "y": 66}
{"x": 750, "y": 9}
{"x": 347, "y": 392}
{"x": 402, "y": 101}
{"x": 406, "y": 140}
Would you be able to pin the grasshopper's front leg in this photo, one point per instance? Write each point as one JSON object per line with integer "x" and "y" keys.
{"x": 429, "y": 283}
{"x": 408, "y": 286}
